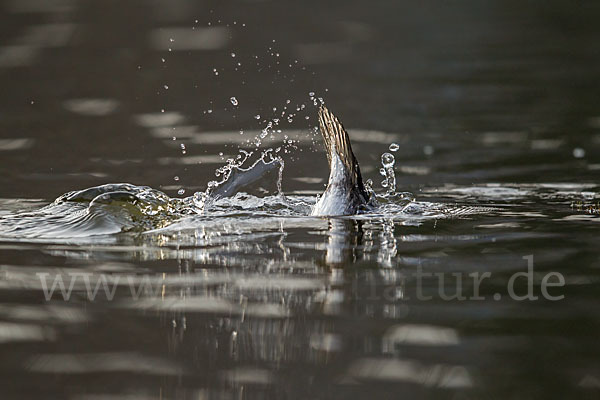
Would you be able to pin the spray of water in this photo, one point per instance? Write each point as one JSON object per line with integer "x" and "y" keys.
{"x": 387, "y": 170}
{"x": 235, "y": 176}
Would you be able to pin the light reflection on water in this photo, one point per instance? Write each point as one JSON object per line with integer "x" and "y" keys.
{"x": 244, "y": 298}
{"x": 250, "y": 288}
{"x": 493, "y": 109}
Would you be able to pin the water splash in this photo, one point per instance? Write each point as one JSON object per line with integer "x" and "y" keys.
{"x": 387, "y": 170}
{"x": 236, "y": 177}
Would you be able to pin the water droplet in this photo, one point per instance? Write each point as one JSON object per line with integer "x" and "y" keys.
{"x": 578, "y": 152}
{"x": 162, "y": 110}
{"x": 233, "y": 101}
{"x": 387, "y": 170}
{"x": 171, "y": 40}
{"x": 209, "y": 111}
{"x": 166, "y": 87}
{"x": 163, "y": 60}
{"x": 257, "y": 116}
{"x": 428, "y": 150}
{"x": 232, "y": 54}
{"x": 182, "y": 146}
{"x": 175, "y": 178}
{"x": 181, "y": 191}
{"x": 311, "y": 94}
{"x": 387, "y": 160}
{"x": 215, "y": 71}
{"x": 394, "y": 147}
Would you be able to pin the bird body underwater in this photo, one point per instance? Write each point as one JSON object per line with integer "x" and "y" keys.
{"x": 345, "y": 193}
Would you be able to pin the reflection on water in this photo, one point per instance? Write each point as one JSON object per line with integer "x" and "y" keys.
{"x": 142, "y": 291}
{"x": 228, "y": 293}
{"x": 231, "y": 302}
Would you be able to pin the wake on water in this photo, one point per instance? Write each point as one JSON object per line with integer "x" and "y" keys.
{"x": 111, "y": 209}
{"x": 115, "y": 208}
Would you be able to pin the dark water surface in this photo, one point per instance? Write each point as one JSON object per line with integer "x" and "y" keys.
{"x": 495, "y": 109}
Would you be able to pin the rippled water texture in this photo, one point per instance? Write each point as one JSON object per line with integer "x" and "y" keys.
{"x": 477, "y": 123}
